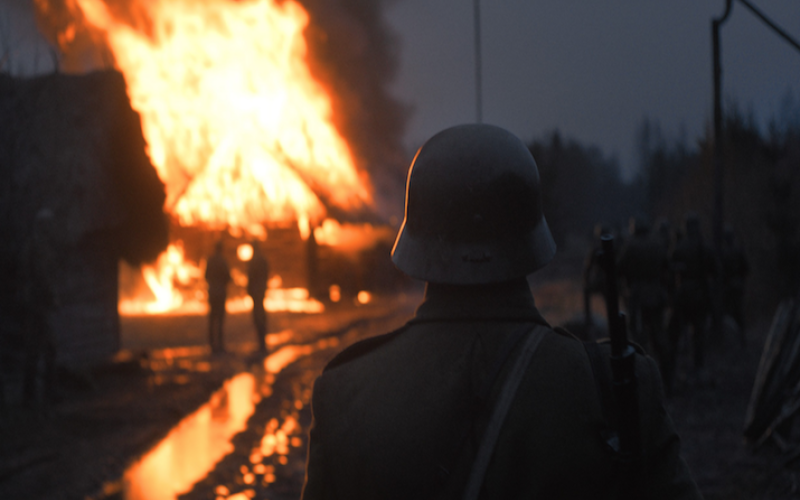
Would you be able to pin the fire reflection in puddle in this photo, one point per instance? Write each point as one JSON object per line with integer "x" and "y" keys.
{"x": 193, "y": 448}
{"x": 203, "y": 439}
{"x": 290, "y": 353}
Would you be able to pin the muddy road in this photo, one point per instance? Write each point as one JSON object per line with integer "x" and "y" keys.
{"x": 167, "y": 422}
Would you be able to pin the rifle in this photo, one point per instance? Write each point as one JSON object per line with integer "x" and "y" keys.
{"x": 624, "y": 384}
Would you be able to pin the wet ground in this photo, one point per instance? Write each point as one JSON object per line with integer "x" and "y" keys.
{"x": 107, "y": 437}
{"x": 191, "y": 426}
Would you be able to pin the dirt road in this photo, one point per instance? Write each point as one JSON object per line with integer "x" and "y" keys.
{"x": 82, "y": 447}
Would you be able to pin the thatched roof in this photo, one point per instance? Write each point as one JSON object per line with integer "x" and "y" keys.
{"x": 73, "y": 144}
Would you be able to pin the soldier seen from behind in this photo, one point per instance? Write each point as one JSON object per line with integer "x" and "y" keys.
{"x": 694, "y": 267}
{"x": 735, "y": 268}
{"x": 39, "y": 299}
{"x": 478, "y": 396}
{"x": 644, "y": 268}
{"x": 218, "y": 275}
{"x": 257, "y": 274}
{"x": 593, "y": 277}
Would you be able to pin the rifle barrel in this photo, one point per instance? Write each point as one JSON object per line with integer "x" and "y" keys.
{"x": 616, "y": 331}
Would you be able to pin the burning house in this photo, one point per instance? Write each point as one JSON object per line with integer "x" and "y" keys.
{"x": 73, "y": 145}
{"x": 237, "y": 120}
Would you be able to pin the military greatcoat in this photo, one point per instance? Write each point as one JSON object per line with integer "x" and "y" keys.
{"x": 390, "y": 413}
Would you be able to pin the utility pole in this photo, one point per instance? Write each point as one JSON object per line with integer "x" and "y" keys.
{"x": 718, "y": 138}
{"x": 719, "y": 171}
{"x": 718, "y": 119}
{"x": 478, "y": 83}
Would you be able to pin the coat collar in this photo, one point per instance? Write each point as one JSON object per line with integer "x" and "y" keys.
{"x": 507, "y": 301}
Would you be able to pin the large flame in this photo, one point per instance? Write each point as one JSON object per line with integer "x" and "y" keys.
{"x": 237, "y": 127}
{"x": 239, "y": 131}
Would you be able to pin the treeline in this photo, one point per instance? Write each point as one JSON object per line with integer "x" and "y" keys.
{"x": 761, "y": 192}
{"x": 582, "y": 187}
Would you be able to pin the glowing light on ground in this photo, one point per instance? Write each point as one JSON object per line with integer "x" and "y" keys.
{"x": 194, "y": 446}
{"x": 190, "y": 297}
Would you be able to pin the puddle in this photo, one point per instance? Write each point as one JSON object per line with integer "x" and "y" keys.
{"x": 201, "y": 440}
{"x": 194, "y": 446}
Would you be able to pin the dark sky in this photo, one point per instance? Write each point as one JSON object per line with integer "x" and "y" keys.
{"x": 592, "y": 69}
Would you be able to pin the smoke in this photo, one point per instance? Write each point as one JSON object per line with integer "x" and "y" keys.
{"x": 355, "y": 54}
{"x": 23, "y": 50}
{"x": 352, "y": 52}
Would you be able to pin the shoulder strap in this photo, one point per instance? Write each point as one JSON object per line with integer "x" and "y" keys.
{"x": 502, "y": 405}
{"x": 605, "y": 394}
{"x": 601, "y": 380}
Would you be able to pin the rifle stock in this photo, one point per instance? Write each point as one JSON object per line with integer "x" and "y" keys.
{"x": 623, "y": 373}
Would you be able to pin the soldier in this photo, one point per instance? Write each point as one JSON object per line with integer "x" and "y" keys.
{"x": 734, "y": 272}
{"x": 593, "y": 277}
{"x": 39, "y": 299}
{"x": 644, "y": 267}
{"x": 218, "y": 276}
{"x": 257, "y": 274}
{"x": 477, "y": 393}
{"x": 664, "y": 234}
{"x": 694, "y": 267}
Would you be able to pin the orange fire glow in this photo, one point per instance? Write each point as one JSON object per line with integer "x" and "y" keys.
{"x": 236, "y": 126}
{"x": 164, "y": 278}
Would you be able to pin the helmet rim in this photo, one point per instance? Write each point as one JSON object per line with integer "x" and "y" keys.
{"x": 473, "y": 210}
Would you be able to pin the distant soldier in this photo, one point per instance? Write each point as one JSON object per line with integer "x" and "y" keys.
{"x": 39, "y": 299}
{"x": 664, "y": 234}
{"x": 593, "y": 276}
{"x": 734, "y": 271}
{"x": 665, "y": 237}
{"x": 218, "y": 275}
{"x": 644, "y": 267}
{"x": 694, "y": 266}
{"x": 257, "y": 274}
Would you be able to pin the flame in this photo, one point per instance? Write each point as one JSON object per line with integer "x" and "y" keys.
{"x": 164, "y": 278}
{"x": 238, "y": 129}
{"x": 236, "y": 126}
{"x": 351, "y": 237}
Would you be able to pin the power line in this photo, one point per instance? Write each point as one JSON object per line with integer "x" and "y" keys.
{"x": 777, "y": 29}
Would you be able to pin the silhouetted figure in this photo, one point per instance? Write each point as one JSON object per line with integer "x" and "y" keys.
{"x": 257, "y": 274}
{"x": 694, "y": 267}
{"x": 644, "y": 267}
{"x": 664, "y": 235}
{"x": 312, "y": 267}
{"x": 39, "y": 299}
{"x": 734, "y": 272}
{"x": 594, "y": 281}
{"x": 477, "y": 393}
{"x": 218, "y": 275}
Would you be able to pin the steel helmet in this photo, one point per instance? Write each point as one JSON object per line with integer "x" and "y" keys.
{"x": 473, "y": 210}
